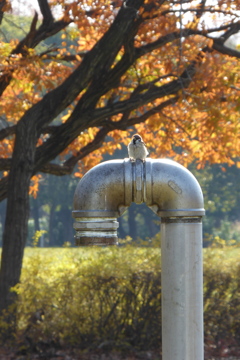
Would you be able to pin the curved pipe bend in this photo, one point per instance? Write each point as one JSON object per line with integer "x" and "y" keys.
{"x": 105, "y": 192}
{"x": 166, "y": 187}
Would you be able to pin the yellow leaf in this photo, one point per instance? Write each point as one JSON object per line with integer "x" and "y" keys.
{"x": 65, "y": 117}
{"x": 91, "y": 134}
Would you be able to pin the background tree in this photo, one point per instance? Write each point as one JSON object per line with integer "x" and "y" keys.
{"x": 221, "y": 190}
{"x": 162, "y": 68}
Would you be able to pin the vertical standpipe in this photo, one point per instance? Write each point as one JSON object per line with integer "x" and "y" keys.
{"x": 182, "y": 289}
{"x": 173, "y": 193}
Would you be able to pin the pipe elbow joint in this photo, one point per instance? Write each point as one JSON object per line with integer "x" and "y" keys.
{"x": 173, "y": 191}
{"x": 106, "y": 191}
{"x": 98, "y": 202}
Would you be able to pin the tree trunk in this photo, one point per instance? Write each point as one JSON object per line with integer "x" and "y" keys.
{"x": 2, "y": 215}
{"x": 17, "y": 213}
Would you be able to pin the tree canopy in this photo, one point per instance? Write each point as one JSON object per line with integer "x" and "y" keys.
{"x": 166, "y": 69}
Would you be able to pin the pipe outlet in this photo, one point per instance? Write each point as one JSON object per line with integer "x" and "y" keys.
{"x": 108, "y": 189}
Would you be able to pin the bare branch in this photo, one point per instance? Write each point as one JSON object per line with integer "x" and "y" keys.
{"x": 175, "y": 35}
{"x": 27, "y": 41}
{"x": 198, "y": 11}
{"x": 201, "y": 9}
{"x": 233, "y": 29}
{"x": 10, "y": 130}
{"x": 46, "y": 11}
{"x": 218, "y": 45}
{"x": 55, "y": 169}
{"x": 2, "y": 6}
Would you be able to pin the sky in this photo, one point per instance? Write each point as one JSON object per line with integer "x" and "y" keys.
{"x": 25, "y": 7}
{"x": 28, "y": 7}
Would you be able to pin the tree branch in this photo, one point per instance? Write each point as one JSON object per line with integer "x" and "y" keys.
{"x": 22, "y": 46}
{"x": 80, "y": 121}
{"x": 69, "y": 164}
{"x": 233, "y": 29}
{"x": 175, "y": 35}
{"x": 47, "y": 55}
{"x": 219, "y": 46}
{"x": 46, "y": 11}
{"x": 10, "y": 130}
{"x": 31, "y": 40}
{"x": 2, "y": 9}
{"x": 67, "y": 167}
{"x": 148, "y": 114}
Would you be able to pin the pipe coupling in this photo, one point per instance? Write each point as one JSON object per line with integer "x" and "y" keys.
{"x": 96, "y": 231}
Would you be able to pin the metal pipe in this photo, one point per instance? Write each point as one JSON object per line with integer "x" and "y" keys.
{"x": 182, "y": 288}
{"x": 98, "y": 201}
{"x": 173, "y": 193}
{"x": 108, "y": 189}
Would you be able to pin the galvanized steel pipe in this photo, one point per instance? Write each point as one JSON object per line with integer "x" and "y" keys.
{"x": 182, "y": 288}
{"x": 107, "y": 190}
{"x": 173, "y": 193}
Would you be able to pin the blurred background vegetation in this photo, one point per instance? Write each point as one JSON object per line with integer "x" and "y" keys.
{"x": 51, "y": 209}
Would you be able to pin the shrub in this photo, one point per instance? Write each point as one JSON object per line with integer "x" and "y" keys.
{"x": 97, "y": 297}
{"x": 222, "y": 299}
{"x": 89, "y": 296}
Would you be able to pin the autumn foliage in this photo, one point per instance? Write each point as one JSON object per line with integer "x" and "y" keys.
{"x": 175, "y": 79}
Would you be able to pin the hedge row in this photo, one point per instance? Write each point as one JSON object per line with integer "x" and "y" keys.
{"x": 111, "y": 297}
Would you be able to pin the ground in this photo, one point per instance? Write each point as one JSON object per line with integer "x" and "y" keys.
{"x": 76, "y": 354}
